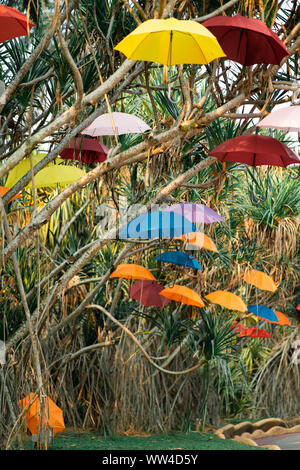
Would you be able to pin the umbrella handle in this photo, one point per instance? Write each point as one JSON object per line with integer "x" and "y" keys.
{"x": 170, "y": 96}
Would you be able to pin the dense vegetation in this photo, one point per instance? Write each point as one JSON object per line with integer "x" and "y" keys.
{"x": 58, "y": 305}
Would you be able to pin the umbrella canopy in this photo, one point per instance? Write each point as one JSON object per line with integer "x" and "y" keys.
{"x": 255, "y": 333}
{"x": 255, "y": 150}
{"x": 170, "y": 42}
{"x": 247, "y": 40}
{"x": 261, "y": 311}
{"x": 85, "y": 150}
{"x": 124, "y": 124}
{"x": 227, "y": 300}
{"x": 182, "y": 294}
{"x": 198, "y": 239}
{"x": 282, "y": 319}
{"x": 195, "y": 213}
{"x": 298, "y": 307}
{"x": 179, "y": 257}
{"x": 147, "y": 293}
{"x": 54, "y": 415}
{"x": 157, "y": 224}
{"x": 4, "y": 190}
{"x": 56, "y": 175}
{"x": 260, "y": 280}
{"x": 132, "y": 271}
{"x": 286, "y": 118}
{"x": 24, "y": 166}
{"x": 13, "y": 23}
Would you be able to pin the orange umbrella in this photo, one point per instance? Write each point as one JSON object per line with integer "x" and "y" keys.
{"x": 133, "y": 271}
{"x": 227, "y": 300}
{"x": 260, "y": 280}
{"x": 3, "y": 191}
{"x": 283, "y": 319}
{"x": 182, "y": 294}
{"x": 198, "y": 239}
{"x": 54, "y": 415}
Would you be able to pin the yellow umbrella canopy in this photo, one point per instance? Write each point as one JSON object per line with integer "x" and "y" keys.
{"x": 57, "y": 175}
{"x": 227, "y": 300}
{"x": 170, "y": 42}
{"x": 24, "y": 166}
{"x": 260, "y": 279}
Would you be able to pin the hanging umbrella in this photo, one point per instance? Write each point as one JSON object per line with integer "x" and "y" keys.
{"x": 4, "y": 190}
{"x": 195, "y": 213}
{"x": 157, "y": 224}
{"x": 247, "y": 40}
{"x": 282, "y": 319}
{"x": 182, "y": 294}
{"x": 124, "y": 124}
{"x": 255, "y": 150}
{"x": 198, "y": 239}
{"x": 227, "y": 300}
{"x": 171, "y": 41}
{"x": 54, "y": 415}
{"x": 24, "y": 166}
{"x": 147, "y": 293}
{"x": 57, "y": 175}
{"x": 286, "y": 118}
{"x": 260, "y": 280}
{"x": 85, "y": 150}
{"x": 13, "y": 23}
{"x": 132, "y": 271}
{"x": 180, "y": 258}
{"x": 238, "y": 327}
{"x": 255, "y": 333}
{"x": 261, "y": 311}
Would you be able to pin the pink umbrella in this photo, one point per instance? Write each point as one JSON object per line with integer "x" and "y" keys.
{"x": 287, "y": 118}
{"x": 124, "y": 124}
{"x": 195, "y": 213}
{"x": 85, "y": 150}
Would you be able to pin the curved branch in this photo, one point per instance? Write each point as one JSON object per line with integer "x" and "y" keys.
{"x": 129, "y": 333}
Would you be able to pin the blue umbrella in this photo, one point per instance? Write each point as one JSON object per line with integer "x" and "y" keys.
{"x": 157, "y": 224}
{"x": 180, "y": 258}
{"x": 263, "y": 312}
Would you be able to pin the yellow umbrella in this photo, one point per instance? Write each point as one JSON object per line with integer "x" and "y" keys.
{"x": 57, "y": 175}
{"x": 198, "y": 239}
{"x": 227, "y": 300}
{"x": 24, "y": 166}
{"x": 170, "y": 42}
{"x": 260, "y": 279}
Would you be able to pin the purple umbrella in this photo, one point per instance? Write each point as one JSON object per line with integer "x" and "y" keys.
{"x": 195, "y": 213}
{"x": 124, "y": 124}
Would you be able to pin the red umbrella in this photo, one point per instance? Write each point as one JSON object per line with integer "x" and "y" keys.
{"x": 147, "y": 293}
{"x": 85, "y": 150}
{"x": 255, "y": 333}
{"x": 298, "y": 307}
{"x": 13, "y": 23}
{"x": 247, "y": 40}
{"x": 255, "y": 150}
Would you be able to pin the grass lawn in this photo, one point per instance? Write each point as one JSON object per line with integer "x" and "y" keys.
{"x": 67, "y": 440}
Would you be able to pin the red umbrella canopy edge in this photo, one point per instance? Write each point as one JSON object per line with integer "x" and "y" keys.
{"x": 13, "y": 23}
{"x": 85, "y": 150}
{"x": 255, "y": 150}
{"x": 247, "y": 41}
